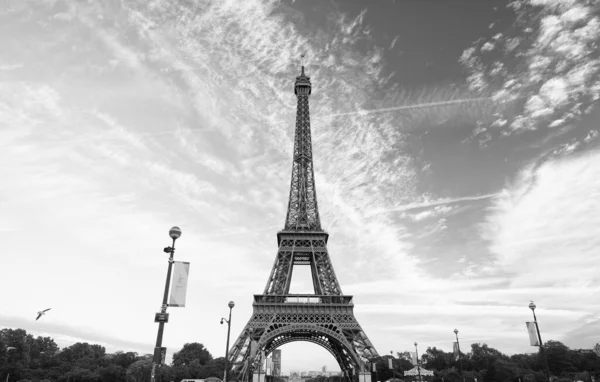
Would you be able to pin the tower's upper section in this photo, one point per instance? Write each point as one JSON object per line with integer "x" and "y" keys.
{"x": 302, "y": 213}
{"x": 302, "y": 85}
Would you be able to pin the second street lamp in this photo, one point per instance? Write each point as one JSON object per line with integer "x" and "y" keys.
{"x": 391, "y": 364}
{"x": 542, "y": 350}
{"x": 458, "y": 346}
{"x": 231, "y": 305}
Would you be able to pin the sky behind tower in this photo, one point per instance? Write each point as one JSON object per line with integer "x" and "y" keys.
{"x": 455, "y": 148}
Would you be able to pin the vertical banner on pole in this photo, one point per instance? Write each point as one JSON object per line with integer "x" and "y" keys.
{"x": 455, "y": 349}
{"x": 374, "y": 366}
{"x": 390, "y": 363}
{"x": 181, "y": 271}
{"x": 533, "y": 337}
{"x": 160, "y": 353}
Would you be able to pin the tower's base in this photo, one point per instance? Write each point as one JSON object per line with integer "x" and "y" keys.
{"x": 325, "y": 320}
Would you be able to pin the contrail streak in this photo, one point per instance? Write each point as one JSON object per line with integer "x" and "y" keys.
{"x": 407, "y": 107}
{"x": 433, "y": 203}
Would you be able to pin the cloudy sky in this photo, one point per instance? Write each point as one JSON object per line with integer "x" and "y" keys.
{"x": 455, "y": 146}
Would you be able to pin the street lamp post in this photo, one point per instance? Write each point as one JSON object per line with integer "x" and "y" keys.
{"x": 391, "y": 364}
{"x": 537, "y": 328}
{"x": 418, "y": 366}
{"x": 231, "y": 305}
{"x": 458, "y": 345}
{"x": 174, "y": 233}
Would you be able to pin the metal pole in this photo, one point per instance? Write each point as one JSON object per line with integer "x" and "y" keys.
{"x": 459, "y": 355}
{"x": 163, "y": 309}
{"x": 418, "y": 366}
{"x": 375, "y": 371}
{"x": 537, "y": 328}
{"x": 391, "y": 364}
{"x": 227, "y": 345}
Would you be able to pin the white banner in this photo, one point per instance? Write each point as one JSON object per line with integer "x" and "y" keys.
{"x": 533, "y": 337}
{"x": 390, "y": 363}
{"x": 413, "y": 356}
{"x": 179, "y": 281}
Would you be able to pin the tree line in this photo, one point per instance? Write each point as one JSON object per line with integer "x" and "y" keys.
{"x": 486, "y": 364}
{"x": 26, "y": 358}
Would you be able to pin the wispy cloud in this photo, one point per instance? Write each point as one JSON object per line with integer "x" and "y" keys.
{"x": 552, "y": 62}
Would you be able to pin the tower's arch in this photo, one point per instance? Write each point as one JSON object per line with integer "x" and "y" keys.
{"x": 328, "y": 337}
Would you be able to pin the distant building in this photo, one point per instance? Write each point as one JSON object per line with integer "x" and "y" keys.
{"x": 276, "y": 363}
{"x": 597, "y": 349}
{"x": 323, "y": 373}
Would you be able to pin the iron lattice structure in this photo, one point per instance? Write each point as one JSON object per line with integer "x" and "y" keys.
{"x": 326, "y": 317}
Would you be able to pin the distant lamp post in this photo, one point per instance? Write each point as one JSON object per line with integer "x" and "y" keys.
{"x": 231, "y": 305}
{"x": 9, "y": 348}
{"x": 537, "y": 328}
{"x": 174, "y": 233}
{"x": 458, "y": 346}
{"x": 418, "y": 366}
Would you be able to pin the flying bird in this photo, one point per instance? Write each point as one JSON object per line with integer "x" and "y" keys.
{"x": 41, "y": 313}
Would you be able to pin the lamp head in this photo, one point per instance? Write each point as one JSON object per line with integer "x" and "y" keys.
{"x": 231, "y": 304}
{"x": 221, "y": 321}
{"x": 531, "y": 305}
{"x": 175, "y": 233}
{"x": 416, "y": 344}
{"x": 456, "y": 331}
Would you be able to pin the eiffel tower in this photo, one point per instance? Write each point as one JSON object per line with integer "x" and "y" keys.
{"x": 326, "y": 317}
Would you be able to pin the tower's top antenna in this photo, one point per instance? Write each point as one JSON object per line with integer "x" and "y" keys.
{"x": 302, "y": 60}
